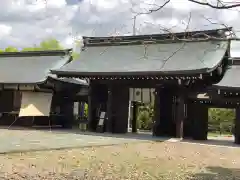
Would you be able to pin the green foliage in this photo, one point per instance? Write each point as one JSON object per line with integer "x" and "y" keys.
{"x": 145, "y": 117}
{"x": 75, "y": 55}
{"x": 11, "y": 49}
{"x": 49, "y": 44}
{"x": 143, "y": 120}
{"x": 221, "y": 119}
{"x": 29, "y": 49}
{"x": 85, "y": 109}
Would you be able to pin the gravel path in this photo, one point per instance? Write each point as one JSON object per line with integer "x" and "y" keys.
{"x": 23, "y": 140}
{"x": 125, "y": 157}
{"x": 32, "y": 140}
{"x": 141, "y": 161}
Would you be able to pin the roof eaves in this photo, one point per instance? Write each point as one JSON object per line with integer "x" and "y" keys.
{"x": 138, "y": 73}
{"x": 37, "y": 53}
{"x": 69, "y": 81}
{"x": 25, "y": 83}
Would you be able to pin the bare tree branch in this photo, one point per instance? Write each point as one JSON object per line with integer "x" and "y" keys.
{"x": 160, "y": 7}
{"x": 227, "y": 27}
{"x": 223, "y": 6}
{"x": 189, "y": 19}
{"x": 148, "y": 12}
{"x": 220, "y": 5}
{"x": 182, "y": 46}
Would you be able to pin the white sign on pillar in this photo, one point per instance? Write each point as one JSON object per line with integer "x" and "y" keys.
{"x": 76, "y": 108}
{"x": 131, "y": 94}
{"x": 152, "y": 95}
{"x": 146, "y": 94}
{"x": 138, "y": 95}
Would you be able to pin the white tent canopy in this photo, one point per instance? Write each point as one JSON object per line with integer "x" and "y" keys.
{"x": 35, "y": 104}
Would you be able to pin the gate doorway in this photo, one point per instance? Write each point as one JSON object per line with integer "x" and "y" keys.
{"x": 141, "y": 110}
{"x": 221, "y": 122}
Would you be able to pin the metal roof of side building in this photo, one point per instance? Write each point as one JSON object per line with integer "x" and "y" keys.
{"x": 230, "y": 79}
{"x": 31, "y": 67}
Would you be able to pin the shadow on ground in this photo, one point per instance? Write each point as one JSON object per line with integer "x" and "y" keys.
{"x": 217, "y": 173}
{"x": 143, "y": 136}
{"x": 148, "y": 136}
{"x": 138, "y": 136}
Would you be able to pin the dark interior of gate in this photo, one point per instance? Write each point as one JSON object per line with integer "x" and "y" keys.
{"x": 28, "y": 73}
{"x": 181, "y": 72}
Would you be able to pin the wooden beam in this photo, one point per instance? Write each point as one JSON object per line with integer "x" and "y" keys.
{"x": 237, "y": 126}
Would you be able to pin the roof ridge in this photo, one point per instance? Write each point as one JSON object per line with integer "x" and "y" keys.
{"x": 151, "y": 37}
{"x": 36, "y": 53}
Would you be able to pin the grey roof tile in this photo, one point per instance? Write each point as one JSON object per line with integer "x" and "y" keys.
{"x": 230, "y": 78}
{"x": 28, "y": 68}
{"x": 158, "y": 58}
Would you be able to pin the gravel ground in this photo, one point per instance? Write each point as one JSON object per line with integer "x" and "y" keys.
{"x": 158, "y": 160}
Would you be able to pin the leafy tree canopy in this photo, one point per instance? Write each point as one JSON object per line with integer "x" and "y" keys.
{"x": 11, "y": 49}
{"x": 49, "y": 44}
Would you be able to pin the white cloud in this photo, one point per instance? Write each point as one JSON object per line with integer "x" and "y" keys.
{"x": 27, "y": 22}
{"x": 104, "y": 4}
{"x": 68, "y": 42}
{"x": 5, "y": 30}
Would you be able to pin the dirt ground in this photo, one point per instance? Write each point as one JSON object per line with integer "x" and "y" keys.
{"x": 158, "y": 160}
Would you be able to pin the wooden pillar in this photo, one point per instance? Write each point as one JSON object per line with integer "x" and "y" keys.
{"x": 7, "y": 105}
{"x": 134, "y": 118}
{"x": 91, "y": 108}
{"x": 120, "y": 102}
{"x": 97, "y": 101}
{"x": 66, "y": 109}
{"x": 163, "y": 117}
{"x": 130, "y": 115}
{"x": 200, "y": 122}
{"x": 188, "y": 121}
{"x": 179, "y": 115}
{"x": 109, "y": 122}
{"x": 237, "y": 126}
{"x": 156, "y": 118}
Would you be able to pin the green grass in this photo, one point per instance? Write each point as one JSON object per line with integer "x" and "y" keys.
{"x": 216, "y": 134}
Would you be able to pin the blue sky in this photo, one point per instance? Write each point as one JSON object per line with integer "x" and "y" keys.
{"x": 27, "y": 22}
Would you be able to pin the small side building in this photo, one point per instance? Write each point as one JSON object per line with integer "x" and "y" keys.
{"x": 226, "y": 93}
{"x": 30, "y": 95}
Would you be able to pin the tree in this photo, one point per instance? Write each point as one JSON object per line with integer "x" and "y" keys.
{"x": 75, "y": 55}
{"x": 11, "y": 49}
{"x": 221, "y": 119}
{"x": 145, "y": 116}
{"x": 50, "y": 44}
{"x": 29, "y": 49}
